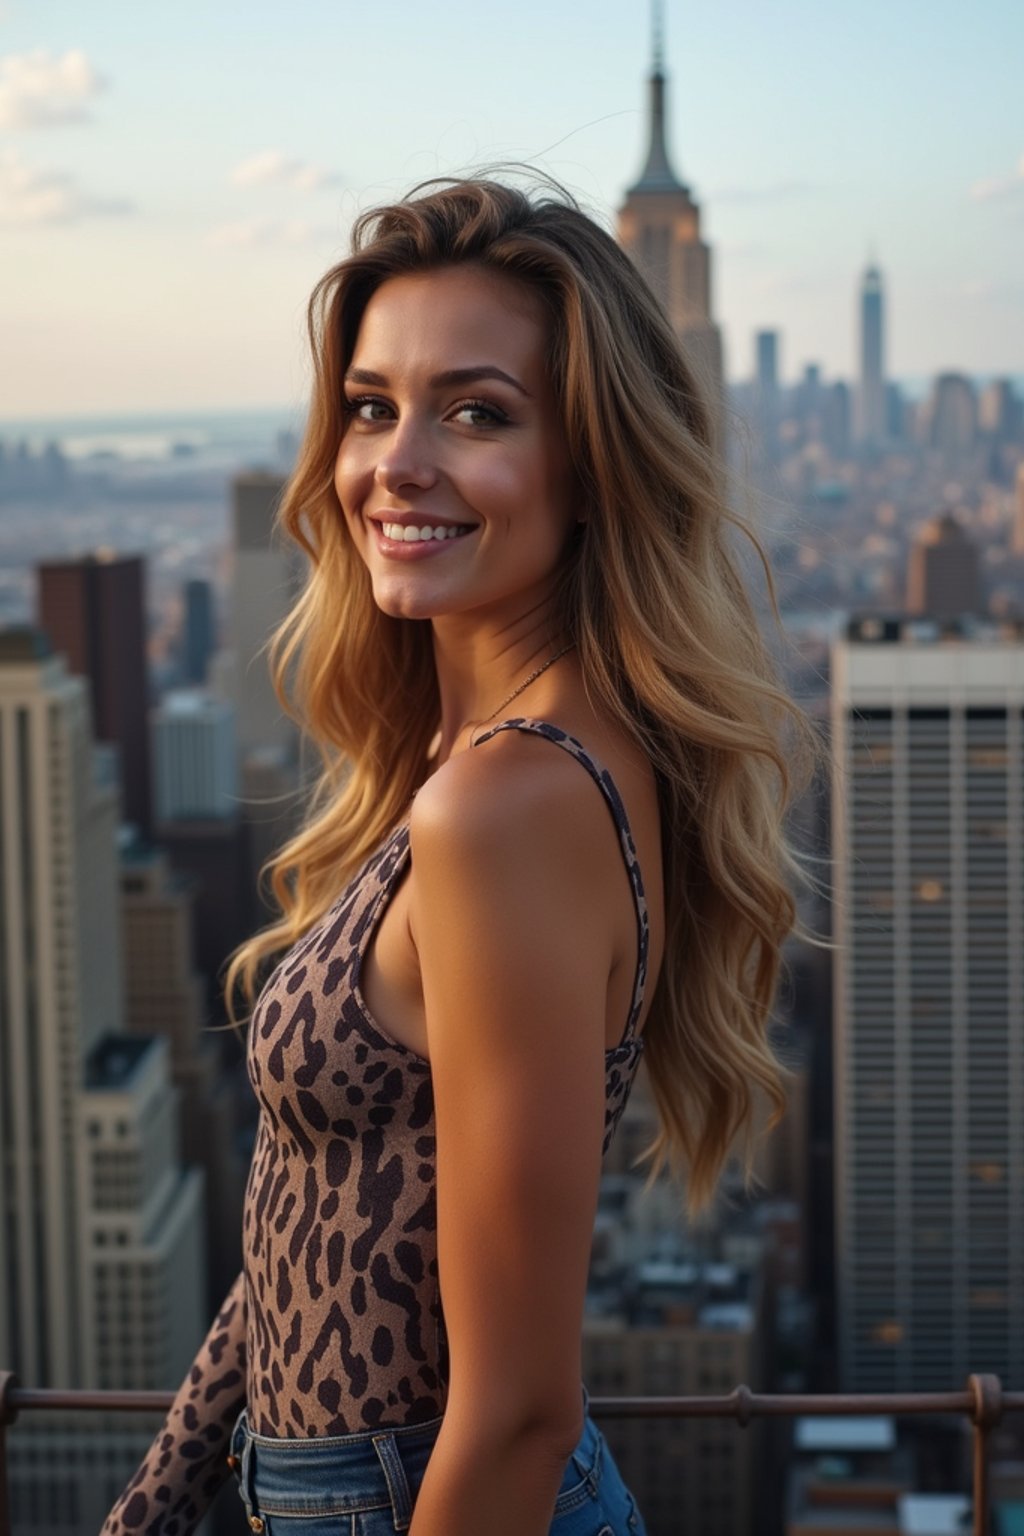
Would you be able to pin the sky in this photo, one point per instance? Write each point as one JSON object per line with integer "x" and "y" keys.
{"x": 174, "y": 179}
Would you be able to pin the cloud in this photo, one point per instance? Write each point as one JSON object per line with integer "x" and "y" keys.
{"x": 273, "y": 168}
{"x": 252, "y": 233}
{"x": 993, "y": 187}
{"x": 40, "y": 90}
{"x": 778, "y": 193}
{"x": 29, "y": 196}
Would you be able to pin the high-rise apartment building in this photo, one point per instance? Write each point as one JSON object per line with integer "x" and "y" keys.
{"x": 766, "y": 349}
{"x": 835, "y": 426}
{"x": 165, "y": 996}
{"x": 93, "y": 612}
{"x": 944, "y": 571}
{"x": 871, "y": 400}
{"x": 73, "y": 1226}
{"x": 265, "y": 585}
{"x": 60, "y": 991}
{"x": 1017, "y": 537}
{"x": 143, "y": 1216}
{"x": 195, "y": 756}
{"x": 896, "y": 413}
{"x": 928, "y": 839}
{"x": 141, "y": 1232}
{"x": 951, "y": 417}
{"x": 263, "y": 590}
{"x": 1001, "y": 412}
{"x": 659, "y": 225}
{"x": 690, "y": 1329}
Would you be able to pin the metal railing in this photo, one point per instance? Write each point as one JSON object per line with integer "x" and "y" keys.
{"x": 983, "y": 1401}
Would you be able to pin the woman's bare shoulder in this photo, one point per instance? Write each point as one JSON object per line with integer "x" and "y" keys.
{"x": 509, "y": 797}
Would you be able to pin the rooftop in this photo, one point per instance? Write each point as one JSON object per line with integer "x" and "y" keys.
{"x": 114, "y": 1061}
{"x": 912, "y": 629}
{"x": 23, "y": 642}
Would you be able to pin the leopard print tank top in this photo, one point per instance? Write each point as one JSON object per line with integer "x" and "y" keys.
{"x": 335, "y": 1325}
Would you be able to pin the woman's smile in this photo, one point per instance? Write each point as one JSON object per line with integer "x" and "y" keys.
{"x": 416, "y": 539}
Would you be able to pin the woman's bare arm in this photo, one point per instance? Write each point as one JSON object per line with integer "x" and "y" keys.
{"x": 513, "y": 922}
{"x": 185, "y": 1465}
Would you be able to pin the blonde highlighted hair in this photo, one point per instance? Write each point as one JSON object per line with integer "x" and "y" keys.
{"x": 666, "y": 632}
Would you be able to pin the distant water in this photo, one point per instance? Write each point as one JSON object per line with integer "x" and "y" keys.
{"x": 205, "y": 438}
{"x": 217, "y": 437}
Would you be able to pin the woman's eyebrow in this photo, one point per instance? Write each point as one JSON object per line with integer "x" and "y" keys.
{"x": 441, "y": 380}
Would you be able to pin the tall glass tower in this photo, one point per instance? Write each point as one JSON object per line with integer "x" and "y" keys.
{"x": 871, "y": 394}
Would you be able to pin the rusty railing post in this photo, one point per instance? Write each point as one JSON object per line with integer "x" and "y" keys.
{"x": 987, "y": 1392}
{"x": 8, "y": 1414}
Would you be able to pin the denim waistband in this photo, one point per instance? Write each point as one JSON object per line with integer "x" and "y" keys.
{"x": 372, "y": 1469}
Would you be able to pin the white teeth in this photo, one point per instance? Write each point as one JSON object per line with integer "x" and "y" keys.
{"x": 406, "y": 533}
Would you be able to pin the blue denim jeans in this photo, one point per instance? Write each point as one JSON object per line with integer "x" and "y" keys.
{"x": 366, "y": 1484}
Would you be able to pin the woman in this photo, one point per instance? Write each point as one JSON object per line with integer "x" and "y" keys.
{"x": 510, "y": 502}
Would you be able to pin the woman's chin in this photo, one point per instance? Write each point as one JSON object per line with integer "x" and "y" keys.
{"x": 400, "y": 601}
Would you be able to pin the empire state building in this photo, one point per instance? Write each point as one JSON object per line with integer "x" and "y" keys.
{"x": 659, "y": 225}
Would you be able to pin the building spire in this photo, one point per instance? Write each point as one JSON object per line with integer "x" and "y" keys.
{"x": 657, "y": 174}
{"x": 658, "y": 28}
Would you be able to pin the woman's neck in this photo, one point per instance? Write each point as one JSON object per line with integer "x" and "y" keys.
{"x": 479, "y": 666}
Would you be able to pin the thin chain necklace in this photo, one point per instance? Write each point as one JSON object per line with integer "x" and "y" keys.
{"x": 527, "y": 681}
{"x": 435, "y": 744}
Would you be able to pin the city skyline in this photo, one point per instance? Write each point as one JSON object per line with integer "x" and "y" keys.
{"x": 803, "y": 174}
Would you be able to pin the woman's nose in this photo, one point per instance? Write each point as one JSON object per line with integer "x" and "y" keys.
{"x": 405, "y": 459}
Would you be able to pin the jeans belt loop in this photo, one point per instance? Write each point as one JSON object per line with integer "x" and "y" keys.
{"x": 398, "y": 1484}
{"x": 248, "y": 1474}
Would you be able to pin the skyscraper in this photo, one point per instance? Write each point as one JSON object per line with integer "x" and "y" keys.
{"x": 951, "y": 417}
{"x": 659, "y": 225}
{"x": 766, "y": 392}
{"x": 1000, "y": 412}
{"x": 766, "y": 345}
{"x": 928, "y": 838}
{"x": 265, "y": 586}
{"x": 100, "y": 1228}
{"x": 60, "y": 992}
{"x": 165, "y": 996}
{"x": 93, "y": 612}
{"x": 198, "y": 631}
{"x": 195, "y": 756}
{"x": 262, "y": 592}
{"x": 871, "y": 402}
{"x": 944, "y": 573}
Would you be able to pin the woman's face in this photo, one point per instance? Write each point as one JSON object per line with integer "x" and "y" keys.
{"x": 453, "y": 471}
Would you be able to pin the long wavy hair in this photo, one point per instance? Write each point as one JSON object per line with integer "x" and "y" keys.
{"x": 666, "y": 632}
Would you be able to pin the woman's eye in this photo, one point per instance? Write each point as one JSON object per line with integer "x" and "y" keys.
{"x": 367, "y": 408}
{"x": 476, "y": 413}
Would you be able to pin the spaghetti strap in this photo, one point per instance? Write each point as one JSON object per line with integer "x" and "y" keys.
{"x": 609, "y": 789}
